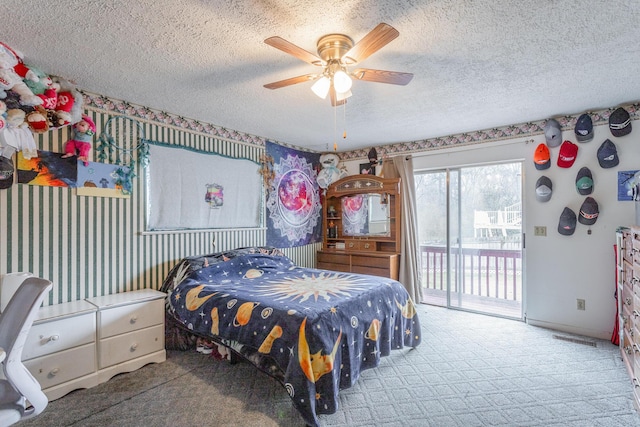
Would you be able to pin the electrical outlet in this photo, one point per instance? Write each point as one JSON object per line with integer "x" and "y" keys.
{"x": 581, "y": 304}
{"x": 539, "y": 230}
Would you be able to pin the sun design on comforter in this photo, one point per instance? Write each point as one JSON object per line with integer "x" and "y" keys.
{"x": 321, "y": 285}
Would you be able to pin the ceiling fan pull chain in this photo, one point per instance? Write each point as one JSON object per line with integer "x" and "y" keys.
{"x": 344, "y": 119}
{"x": 335, "y": 144}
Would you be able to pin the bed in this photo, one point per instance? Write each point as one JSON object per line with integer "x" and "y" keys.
{"x": 313, "y": 330}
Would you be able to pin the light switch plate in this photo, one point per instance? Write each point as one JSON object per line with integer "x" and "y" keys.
{"x": 539, "y": 230}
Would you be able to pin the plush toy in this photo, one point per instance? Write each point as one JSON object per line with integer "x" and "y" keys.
{"x": 37, "y": 120}
{"x": 9, "y": 79}
{"x": 330, "y": 172}
{"x": 42, "y": 82}
{"x": 16, "y": 136}
{"x": 70, "y": 101}
{"x": 20, "y": 68}
{"x": 81, "y": 138}
{"x": 3, "y": 115}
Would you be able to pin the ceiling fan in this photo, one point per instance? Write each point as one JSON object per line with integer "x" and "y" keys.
{"x": 336, "y": 52}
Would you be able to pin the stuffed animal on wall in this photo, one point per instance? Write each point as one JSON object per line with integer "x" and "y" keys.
{"x": 3, "y": 115}
{"x": 37, "y": 120}
{"x": 16, "y": 136}
{"x": 81, "y": 137}
{"x": 330, "y": 172}
{"x": 20, "y": 68}
{"x": 42, "y": 82}
{"x": 9, "y": 79}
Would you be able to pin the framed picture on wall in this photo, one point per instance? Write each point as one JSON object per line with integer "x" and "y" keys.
{"x": 629, "y": 185}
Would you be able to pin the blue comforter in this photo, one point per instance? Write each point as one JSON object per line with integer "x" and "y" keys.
{"x": 321, "y": 328}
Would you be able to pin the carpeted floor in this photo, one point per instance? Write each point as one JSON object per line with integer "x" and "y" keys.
{"x": 470, "y": 370}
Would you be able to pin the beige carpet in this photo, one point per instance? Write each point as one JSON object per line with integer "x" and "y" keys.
{"x": 470, "y": 370}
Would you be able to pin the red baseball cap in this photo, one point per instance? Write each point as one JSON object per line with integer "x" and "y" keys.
{"x": 568, "y": 154}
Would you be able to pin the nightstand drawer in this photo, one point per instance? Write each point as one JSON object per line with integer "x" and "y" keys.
{"x": 125, "y": 347}
{"x": 131, "y": 317}
{"x": 56, "y": 335}
{"x": 63, "y": 366}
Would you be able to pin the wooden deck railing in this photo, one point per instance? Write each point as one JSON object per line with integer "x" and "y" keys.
{"x": 494, "y": 273}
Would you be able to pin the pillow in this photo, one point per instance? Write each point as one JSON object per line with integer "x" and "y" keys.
{"x": 189, "y": 264}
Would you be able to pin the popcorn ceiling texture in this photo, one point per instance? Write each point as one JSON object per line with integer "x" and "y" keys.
{"x": 476, "y": 65}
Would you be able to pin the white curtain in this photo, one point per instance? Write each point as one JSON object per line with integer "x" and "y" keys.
{"x": 409, "y": 275}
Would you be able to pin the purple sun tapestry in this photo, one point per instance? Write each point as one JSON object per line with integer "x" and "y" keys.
{"x": 293, "y": 198}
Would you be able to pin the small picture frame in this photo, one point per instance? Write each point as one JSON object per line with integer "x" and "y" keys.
{"x": 629, "y": 185}
{"x": 367, "y": 169}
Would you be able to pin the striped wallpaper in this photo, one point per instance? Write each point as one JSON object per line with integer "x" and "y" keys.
{"x": 92, "y": 246}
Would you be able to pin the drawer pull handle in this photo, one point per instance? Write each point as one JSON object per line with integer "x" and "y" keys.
{"x": 134, "y": 319}
{"x": 55, "y": 337}
{"x": 366, "y": 246}
{"x": 54, "y": 372}
{"x": 350, "y": 245}
{"x": 628, "y": 301}
{"x": 635, "y": 382}
{"x": 627, "y": 349}
{"x": 134, "y": 346}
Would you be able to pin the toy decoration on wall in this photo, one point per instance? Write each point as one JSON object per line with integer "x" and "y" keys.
{"x": 81, "y": 139}
{"x": 330, "y": 172}
{"x": 31, "y": 102}
{"x": 266, "y": 170}
{"x": 121, "y": 138}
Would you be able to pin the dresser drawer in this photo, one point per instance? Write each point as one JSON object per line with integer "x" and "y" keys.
{"x": 63, "y": 366}
{"x": 130, "y": 317}
{"x": 336, "y": 258}
{"x": 345, "y": 268}
{"x": 61, "y": 334}
{"x": 128, "y": 346}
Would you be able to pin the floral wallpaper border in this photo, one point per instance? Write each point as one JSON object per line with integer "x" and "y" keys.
{"x": 513, "y": 131}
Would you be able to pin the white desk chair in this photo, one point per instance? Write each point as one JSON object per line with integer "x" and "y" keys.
{"x": 21, "y": 396}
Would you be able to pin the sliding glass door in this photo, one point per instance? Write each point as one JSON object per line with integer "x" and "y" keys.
{"x": 470, "y": 229}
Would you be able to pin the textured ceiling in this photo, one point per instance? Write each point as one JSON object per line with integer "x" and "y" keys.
{"x": 476, "y": 64}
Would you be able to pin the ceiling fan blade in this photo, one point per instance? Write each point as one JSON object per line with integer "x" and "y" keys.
{"x": 292, "y": 81}
{"x": 377, "y": 38}
{"x": 381, "y": 76}
{"x": 292, "y": 49}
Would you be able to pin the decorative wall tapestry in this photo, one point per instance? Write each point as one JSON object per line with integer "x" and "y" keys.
{"x": 190, "y": 189}
{"x": 293, "y": 200}
{"x": 103, "y": 180}
{"x": 48, "y": 168}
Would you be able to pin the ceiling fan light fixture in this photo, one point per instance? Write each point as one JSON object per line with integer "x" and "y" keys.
{"x": 342, "y": 82}
{"x": 341, "y": 96}
{"x": 321, "y": 87}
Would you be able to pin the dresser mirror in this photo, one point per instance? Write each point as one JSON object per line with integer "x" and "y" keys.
{"x": 365, "y": 215}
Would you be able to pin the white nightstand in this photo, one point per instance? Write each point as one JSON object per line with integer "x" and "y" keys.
{"x": 130, "y": 331}
{"x": 60, "y": 351}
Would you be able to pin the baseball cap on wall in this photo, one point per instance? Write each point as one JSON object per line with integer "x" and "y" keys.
{"x": 542, "y": 157}
{"x": 553, "y": 133}
{"x": 589, "y": 212}
{"x": 584, "y": 128}
{"x": 6, "y": 173}
{"x": 620, "y": 122}
{"x": 584, "y": 181}
{"x": 567, "y": 223}
{"x": 608, "y": 154}
{"x": 544, "y": 188}
{"x": 568, "y": 154}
